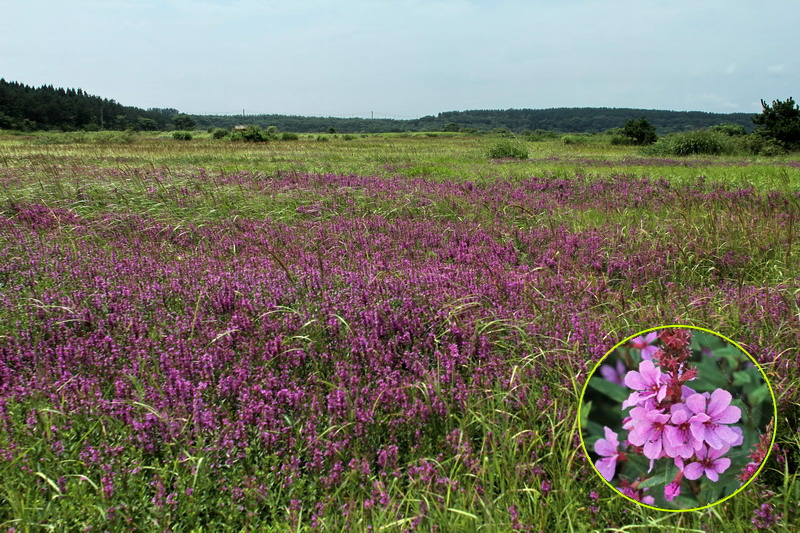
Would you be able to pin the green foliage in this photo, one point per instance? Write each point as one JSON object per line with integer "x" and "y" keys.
{"x": 731, "y": 130}
{"x": 289, "y": 136}
{"x": 220, "y": 133}
{"x": 146, "y": 124}
{"x": 251, "y": 133}
{"x": 508, "y": 149}
{"x": 640, "y": 131}
{"x": 451, "y": 126}
{"x": 183, "y": 121}
{"x": 780, "y": 122}
{"x": 182, "y": 135}
{"x": 575, "y": 139}
{"x": 693, "y": 142}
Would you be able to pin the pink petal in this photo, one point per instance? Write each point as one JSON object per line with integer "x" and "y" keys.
{"x": 711, "y": 474}
{"x": 662, "y": 393}
{"x": 605, "y": 448}
{"x": 729, "y": 415}
{"x": 726, "y": 434}
{"x": 679, "y": 414}
{"x": 693, "y": 470}
{"x": 606, "y": 467}
{"x": 652, "y": 449}
{"x": 720, "y": 399}
{"x": 713, "y": 440}
{"x": 698, "y": 431}
{"x": 696, "y": 403}
{"x": 634, "y": 380}
{"x": 652, "y": 336}
{"x": 633, "y": 399}
{"x": 722, "y": 464}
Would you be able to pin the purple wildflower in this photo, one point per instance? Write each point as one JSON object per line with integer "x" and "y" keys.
{"x": 607, "y": 448}
{"x": 711, "y": 416}
{"x": 645, "y": 344}
{"x": 680, "y": 441}
{"x": 672, "y": 490}
{"x": 614, "y": 374}
{"x": 648, "y": 431}
{"x": 647, "y": 383}
{"x": 709, "y": 462}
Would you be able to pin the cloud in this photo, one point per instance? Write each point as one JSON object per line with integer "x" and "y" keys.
{"x": 776, "y": 69}
{"x": 730, "y": 69}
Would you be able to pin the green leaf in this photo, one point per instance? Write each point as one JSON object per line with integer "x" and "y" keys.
{"x": 616, "y": 392}
{"x": 741, "y": 378}
{"x": 659, "y": 479}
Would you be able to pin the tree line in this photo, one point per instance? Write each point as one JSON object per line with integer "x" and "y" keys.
{"x": 560, "y": 120}
{"x": 28, "y": 108}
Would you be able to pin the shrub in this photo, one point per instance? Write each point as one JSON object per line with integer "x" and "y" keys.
{"x": 251, "y": 134}
{"x": 693, "y": 142}
{"x": 575, "y": 139}
{"x": 220, "y": 133}
{"x": 182, "y": 135}
{"x": 732, "y": 130}
{"x": 289, "y": 136}
{"x": 506, "y": 149}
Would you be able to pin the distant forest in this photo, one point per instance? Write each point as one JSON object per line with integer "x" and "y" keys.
{"x": 48, "y": 108}
{"x": 562, "y": 120}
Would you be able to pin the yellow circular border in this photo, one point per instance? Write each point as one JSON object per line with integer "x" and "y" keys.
{"x": 763, "y": 374}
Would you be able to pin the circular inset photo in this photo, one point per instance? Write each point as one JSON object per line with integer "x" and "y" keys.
{"x": 677, "y": 418}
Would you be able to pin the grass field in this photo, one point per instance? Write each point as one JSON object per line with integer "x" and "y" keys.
{"x": 384, "y": 333}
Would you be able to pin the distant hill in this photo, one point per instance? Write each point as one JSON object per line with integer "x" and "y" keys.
{"x": 46, "y": 107}
{"x": 564, "y": 120}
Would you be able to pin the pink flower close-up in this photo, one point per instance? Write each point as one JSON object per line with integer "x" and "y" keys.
{"x": 709, "y": 462}
{"x": 648, "y": 431}
{"x": 711, "y": 416}
{"x": 607, "y": 448}
{"x": 679, "y": 440}
{"x": 645, "y": 345}
{"x": 647, "y": 383}
{"x": 614, "y": 374}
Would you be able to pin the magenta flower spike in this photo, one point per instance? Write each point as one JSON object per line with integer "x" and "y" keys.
{"x": 647, "y": 383}
{"x": 709, "y": 462}
{"x": 711, "y": 416}
{"x": 607, "y": 448}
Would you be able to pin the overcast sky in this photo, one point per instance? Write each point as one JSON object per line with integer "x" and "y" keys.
{"x": 407, "y": 58}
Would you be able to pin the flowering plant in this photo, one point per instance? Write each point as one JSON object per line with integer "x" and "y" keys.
{"x": 662, "y": 425}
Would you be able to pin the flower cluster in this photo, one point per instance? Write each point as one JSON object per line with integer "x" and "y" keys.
{"x": 668, "y": 419}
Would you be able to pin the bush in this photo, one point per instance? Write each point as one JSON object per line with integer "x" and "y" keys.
{"x": 507, "y": 149}
{"x": 251, "y": 134}
{"x": 181, "y": 135}
{"x": 758, "y": 144}
{"x": 732, "y": 130}
{"x": 693, "y": 142}
{"x": 289, "y": 136}
{"x": 220, "y": 133}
